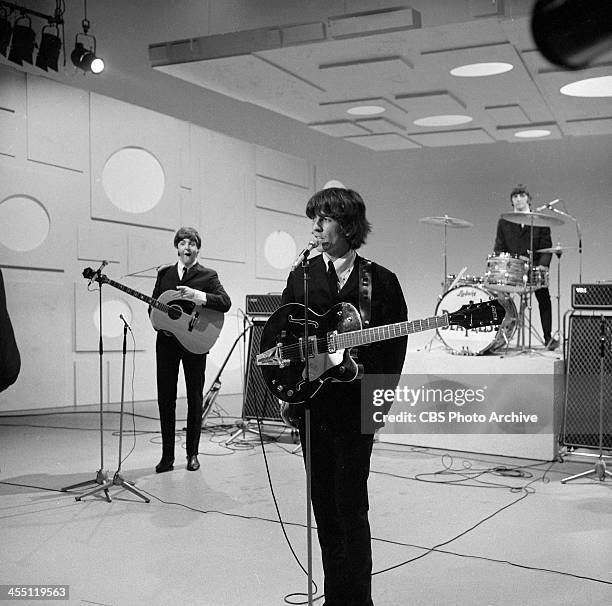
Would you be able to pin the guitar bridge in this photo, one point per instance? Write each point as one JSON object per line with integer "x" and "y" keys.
{"x": 272, "y": 357}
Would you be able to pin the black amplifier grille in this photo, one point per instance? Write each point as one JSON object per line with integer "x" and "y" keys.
{"x": 262, "y": 305}
{"x": 592, "y": 296}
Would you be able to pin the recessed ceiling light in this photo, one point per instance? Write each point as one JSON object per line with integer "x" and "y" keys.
{"x": 475, "y": 70}
{"x": 442, "y": 120}
{"x": 532, "y": 134}
{"x": 591, "y": 87}
{"x": 365, "y": 110}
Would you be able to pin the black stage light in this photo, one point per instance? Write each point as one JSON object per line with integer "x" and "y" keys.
{"x": 86, "y": 59}
{"x": 24, "y": 41}
{"x": 6, "y": 31}
{"x": 571, "y": 33}
{"x": 48, "y": 53}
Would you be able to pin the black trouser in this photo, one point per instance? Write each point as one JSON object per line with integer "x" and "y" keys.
{"x": 340, "y": 465}
{"x": 543, "y": 297}
{"x": 169, "y": 356}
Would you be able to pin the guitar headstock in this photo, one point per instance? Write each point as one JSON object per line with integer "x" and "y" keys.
{"x": 90, "y": 274}
{"x": 473, "y": 315}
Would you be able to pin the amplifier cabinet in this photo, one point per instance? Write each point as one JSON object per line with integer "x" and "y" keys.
{"x": 592, "y": 296}
{"x": 262, "y": 305}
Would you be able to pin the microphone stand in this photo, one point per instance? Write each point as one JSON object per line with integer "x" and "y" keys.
{"x": 118, "y": 480}
{"x": 307, "y": 457}
{"x": 101, "y": 476}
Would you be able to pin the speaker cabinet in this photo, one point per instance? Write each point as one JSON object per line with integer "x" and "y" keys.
{"x": 259, "y": 403}
{"x": 584, "y": 382}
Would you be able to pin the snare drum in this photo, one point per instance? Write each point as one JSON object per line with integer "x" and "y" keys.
{"x": 506, "y": 272}
{"x": 539, "y": 277}
{"x": 475, "y": 341}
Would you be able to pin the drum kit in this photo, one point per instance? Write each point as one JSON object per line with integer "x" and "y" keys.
{"x": 505, "y": 275}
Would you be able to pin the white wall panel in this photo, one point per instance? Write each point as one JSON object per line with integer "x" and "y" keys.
{"x": 226, "y": 168}
{"x": 58, "y": 124}
{"x": 116, "y": 126}
{"x": 95, "y": 243}
{"x": 269, "y": 223}
{"x": 40, "y": 314}
{"x": 62, "y": 194}
{"x": 12, "y": 113}
{"x": 282, "y": 197}
{"x": 150, "y": 250}
{"x": 283, "y": 167}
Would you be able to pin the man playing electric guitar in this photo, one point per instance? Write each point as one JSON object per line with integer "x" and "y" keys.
{"x": 202, "y": 286}
{"x": 340, "y": 452}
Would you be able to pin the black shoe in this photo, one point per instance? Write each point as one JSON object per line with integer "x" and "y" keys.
{"x": 164, "y": 465}
{"x": 552, "y": 344}
{"x": 192, "y": 463}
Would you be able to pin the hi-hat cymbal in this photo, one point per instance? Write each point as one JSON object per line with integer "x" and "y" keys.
{"x": 556, "y": 249}
{"x": 535, "y": 219}
{"x": 446, "y": 220}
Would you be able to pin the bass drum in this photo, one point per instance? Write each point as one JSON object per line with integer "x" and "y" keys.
{"x": 475, "y": 341}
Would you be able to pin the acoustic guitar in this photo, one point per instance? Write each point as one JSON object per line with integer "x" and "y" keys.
{"x": 195, "y": 327}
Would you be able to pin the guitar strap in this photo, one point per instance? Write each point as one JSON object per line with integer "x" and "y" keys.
{"x": 365, "y": 291}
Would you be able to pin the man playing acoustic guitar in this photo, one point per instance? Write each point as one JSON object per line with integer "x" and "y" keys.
{"x": 200, "y": 285}
{"x": 340, "y": 452}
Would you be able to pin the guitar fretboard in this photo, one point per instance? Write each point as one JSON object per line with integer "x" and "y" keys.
{"x": 150, "y": 300}
{"x": 389, "y": 331}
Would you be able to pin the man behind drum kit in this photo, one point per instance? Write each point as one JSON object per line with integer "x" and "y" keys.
{"x": 515, "y": 239}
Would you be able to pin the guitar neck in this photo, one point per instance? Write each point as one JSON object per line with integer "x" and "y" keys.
{"x": 130, "y": 291}
{"x": 355, "y": 338}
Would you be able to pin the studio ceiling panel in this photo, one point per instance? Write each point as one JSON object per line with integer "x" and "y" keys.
{"x": 398, "y": 58}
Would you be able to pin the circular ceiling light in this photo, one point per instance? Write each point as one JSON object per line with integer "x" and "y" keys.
{"x": 443, "y": 120}
{"x": 591, "y": 87}
{"x": 476, "y": 70}
{"x": 365, "y": 110}
{"x": 532, "y": 134}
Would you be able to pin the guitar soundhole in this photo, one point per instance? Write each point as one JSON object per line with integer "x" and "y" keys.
{"x": 174, "y": 312}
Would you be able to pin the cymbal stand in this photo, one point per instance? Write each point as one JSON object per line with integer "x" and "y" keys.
{"x": 101, "y": 479}
{"x": 558, "y": 253}
{"x": 600, "y": 465}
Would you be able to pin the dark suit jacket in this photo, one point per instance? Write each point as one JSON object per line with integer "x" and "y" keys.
{"x": 515, "y": 239}
{"x": 10, "y": 360}
{"x": 198, "y": 277}
{"x": 338, "y": 403}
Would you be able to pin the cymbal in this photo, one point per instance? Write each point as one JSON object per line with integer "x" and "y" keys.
{"x": 535, "y": 219}
{"x": 556, "y": 249}
{"x": 446, "y": 220}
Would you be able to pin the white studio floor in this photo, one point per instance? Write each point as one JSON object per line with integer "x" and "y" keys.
{"x": 448, "y": 528}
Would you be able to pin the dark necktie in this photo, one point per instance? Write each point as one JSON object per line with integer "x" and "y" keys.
{"x": 332, "y": 278}
{"x": 184, "y": 274}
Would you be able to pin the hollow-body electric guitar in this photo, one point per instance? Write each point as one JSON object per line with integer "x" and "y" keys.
{"x": 282, "y": 354}
{"x": 194, "y": 326}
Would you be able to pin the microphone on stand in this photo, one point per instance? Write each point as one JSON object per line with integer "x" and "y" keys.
{"x": 125, "y": 322}
{"x": 548, "y": 205}
{"x": 304, "y": 254}
{"x": 97, "y": 272}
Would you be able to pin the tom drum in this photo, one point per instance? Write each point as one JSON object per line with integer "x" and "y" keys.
{"x": 506, "y": 273}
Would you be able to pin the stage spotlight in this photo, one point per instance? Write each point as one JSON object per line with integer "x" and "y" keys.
{"x": 571, "y": 33}
{"x": 86, "y": 59}
{"x": 24, "y": 41}
{"x": 48, "y": 53}
{"x": 6, "y": 31}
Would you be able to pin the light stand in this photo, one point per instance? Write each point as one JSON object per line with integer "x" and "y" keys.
{"x": 101, "y": 475}
{"x": 600, "y": 465}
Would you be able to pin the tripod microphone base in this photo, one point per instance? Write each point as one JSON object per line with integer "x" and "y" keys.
{"x": 119, "y": 480}
{"x": 101, "y": 478}
{"x": 600, "y": 471}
